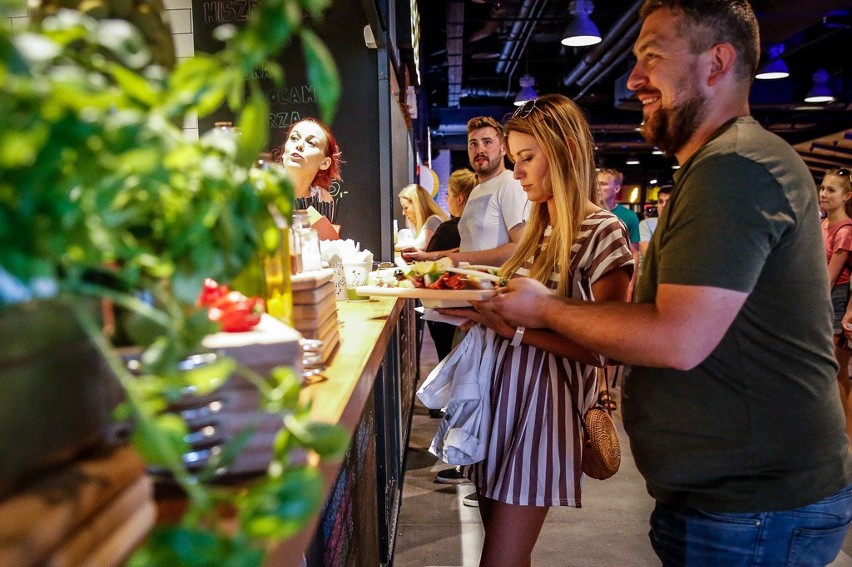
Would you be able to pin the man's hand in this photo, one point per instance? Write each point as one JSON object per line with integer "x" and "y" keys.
{"x": 522, "y": 304}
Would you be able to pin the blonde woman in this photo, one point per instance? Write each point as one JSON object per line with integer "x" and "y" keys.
{"x": 422, "y": 214}
{"x": 542, "y": 383}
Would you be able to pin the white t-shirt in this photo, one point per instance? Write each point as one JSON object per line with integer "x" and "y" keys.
{"x": 646, "y": 228}
{"x": 493, "y": 208}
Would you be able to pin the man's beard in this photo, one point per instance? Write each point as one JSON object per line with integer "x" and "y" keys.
{"x": 671, "y": 128}
{"x": 485, "y": 169}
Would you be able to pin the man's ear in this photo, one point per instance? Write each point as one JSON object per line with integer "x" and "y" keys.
{"x": 326, "y": 163}
{"x": 722, "y": 58}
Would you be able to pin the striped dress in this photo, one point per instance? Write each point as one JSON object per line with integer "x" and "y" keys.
{"x": 533, "y": 456}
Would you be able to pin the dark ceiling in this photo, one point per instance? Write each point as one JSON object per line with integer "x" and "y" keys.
{"x": 474, "y": 52}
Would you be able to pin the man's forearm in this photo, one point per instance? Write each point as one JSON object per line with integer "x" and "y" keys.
{"x": 680, "y": 335}
{"x": 492, "y": 257}
{"x": 614, "y": 329}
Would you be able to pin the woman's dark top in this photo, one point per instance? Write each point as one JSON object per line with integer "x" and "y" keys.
{"x": 446, "y": 236}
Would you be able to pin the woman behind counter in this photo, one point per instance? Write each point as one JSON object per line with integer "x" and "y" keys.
{"x": 311, "y": 157}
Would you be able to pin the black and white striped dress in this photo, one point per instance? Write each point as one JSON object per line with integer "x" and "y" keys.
{"x": 533, "y": 456}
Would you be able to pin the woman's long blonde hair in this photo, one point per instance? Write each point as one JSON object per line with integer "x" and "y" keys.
{"x": 424, "y": 205}
{"x": 562, "y": 131}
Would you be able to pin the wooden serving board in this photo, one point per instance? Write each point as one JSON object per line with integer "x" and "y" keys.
{"x": 312, "y": 296}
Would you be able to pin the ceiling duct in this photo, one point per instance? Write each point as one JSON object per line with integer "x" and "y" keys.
{"x": 606, "y": 64}
{"x": 519, "y": 35}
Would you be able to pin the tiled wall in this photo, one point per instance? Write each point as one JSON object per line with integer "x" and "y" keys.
{"x": 180, "y": 19}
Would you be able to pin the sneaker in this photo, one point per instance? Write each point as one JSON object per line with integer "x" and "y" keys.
{"x": 471, "y": 500}
{"x": 451, "y": 476}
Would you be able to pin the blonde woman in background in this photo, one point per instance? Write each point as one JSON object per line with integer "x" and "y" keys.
{"x": 422, "y": 214}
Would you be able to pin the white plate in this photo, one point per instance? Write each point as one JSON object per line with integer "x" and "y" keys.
{"x": 434, "y": 298}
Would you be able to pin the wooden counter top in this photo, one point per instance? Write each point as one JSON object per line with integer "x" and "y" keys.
{"x": 364, "y": 336}
{"x": 365, "y": 332}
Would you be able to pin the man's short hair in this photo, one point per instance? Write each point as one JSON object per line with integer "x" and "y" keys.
{"x": 479, "y": 122}
{"x": 614, "y": 173}
{"x": 717, "y": 21}
{"x": 665, "y": 190}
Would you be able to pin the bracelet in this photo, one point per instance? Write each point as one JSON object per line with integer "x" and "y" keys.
{"x": 519, "y": 336}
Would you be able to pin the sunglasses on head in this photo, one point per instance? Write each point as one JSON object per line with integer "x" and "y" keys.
{"x": 525, "y": 109}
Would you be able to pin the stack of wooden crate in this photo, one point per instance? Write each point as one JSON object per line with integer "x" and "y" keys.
{"x": 315, "y": 309}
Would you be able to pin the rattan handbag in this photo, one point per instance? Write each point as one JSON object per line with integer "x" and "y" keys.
{"x": 601, "y": 448}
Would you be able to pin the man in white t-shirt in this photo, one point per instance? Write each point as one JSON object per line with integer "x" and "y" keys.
{"x": 492, "y": 221}
{"x": 648, "y": 225}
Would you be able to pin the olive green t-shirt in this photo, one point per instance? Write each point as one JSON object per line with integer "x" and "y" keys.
{"x": 757, "y": 425}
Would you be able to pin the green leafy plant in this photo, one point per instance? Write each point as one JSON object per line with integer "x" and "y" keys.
{"x": 102, "y": 195}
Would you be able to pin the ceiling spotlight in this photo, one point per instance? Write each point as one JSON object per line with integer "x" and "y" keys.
{"x": 820, "y": 92}
{"x": 582, "y": 31}
{"x": 657, "y": 152}
{"x": 632, "y": 161}
{"x": 774, "y": 68}
{"x": 527, "y": 92}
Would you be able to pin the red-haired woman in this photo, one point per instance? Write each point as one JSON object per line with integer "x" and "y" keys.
{"x": 311, "y": 157}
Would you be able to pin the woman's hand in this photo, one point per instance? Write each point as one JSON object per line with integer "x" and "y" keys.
{"x": 484, "y": 316}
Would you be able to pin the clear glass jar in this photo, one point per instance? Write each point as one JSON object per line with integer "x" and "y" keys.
{"x": 305, "y": 243}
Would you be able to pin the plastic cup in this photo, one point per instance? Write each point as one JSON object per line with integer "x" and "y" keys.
{"x": 356, "y": 273}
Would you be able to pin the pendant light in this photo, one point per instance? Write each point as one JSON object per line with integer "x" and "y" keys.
{"x": 527, "y": 92}
{"x": 820, "y": 92}
{"x": 582, "y": 31}
{"x": 774, "y": 68}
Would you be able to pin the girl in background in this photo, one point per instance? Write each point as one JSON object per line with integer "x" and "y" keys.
{"x": 835, "y": 200}
{"x": 311, "y": 157}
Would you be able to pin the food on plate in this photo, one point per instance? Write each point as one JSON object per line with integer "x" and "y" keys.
{"x": 234, "y": 312}
{"x": 439, "y": 274}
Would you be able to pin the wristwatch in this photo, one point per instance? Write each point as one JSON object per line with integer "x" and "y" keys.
{"x": 519, "y": 336}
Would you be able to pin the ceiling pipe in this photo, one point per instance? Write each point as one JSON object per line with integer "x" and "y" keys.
{"x": 612, "y": 57}
{"x": 528, "y": 33}
{"x": 487, "y": 93}
{"x": 613, "y": 35}
{"x": 519, "y": 30}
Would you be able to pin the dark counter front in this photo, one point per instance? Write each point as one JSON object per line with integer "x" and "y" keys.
{"x": 370, "y": 392}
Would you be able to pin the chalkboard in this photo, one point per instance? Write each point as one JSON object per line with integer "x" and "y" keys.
{"x": 356, "y": 125}
{"x": 288, "y": 103}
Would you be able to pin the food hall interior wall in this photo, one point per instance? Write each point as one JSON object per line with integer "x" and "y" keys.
{"x": 369, "y": 126}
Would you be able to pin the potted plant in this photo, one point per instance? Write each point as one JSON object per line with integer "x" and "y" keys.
{"x": 102, "y": 196}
